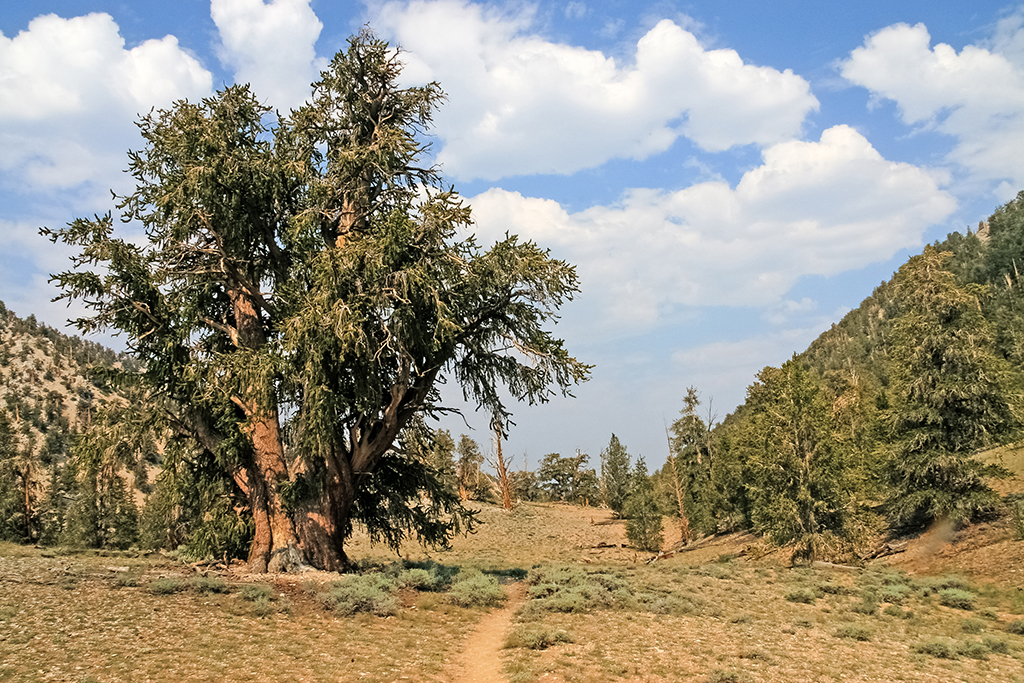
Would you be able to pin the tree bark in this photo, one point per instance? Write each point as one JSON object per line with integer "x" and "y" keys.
{"x": 283, "y": 553}
{"x": 275, "y": 546}
{"x": 321, "y": 521}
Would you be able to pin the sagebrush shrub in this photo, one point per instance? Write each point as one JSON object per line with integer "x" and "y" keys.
{"x": 536, "y": 637}
{"x": 720, "y": 676}
{"x": 257, "y": 591}
{"x": 373, "y": 593}
{"x": 209, "y": 584}
{"x": 936, "y": 648}
{"x": 853, "y": 631}
{"x": 972, "y": 626}
{"x": 995, "y": 645}
{"x": 802, "y": 595}
{"x": 897, "y": 611}
{"x": 423, "y": 576}
{"x": 956, "y": 598}
{"x": 476, "y": 590}
{"x": 972, "y": 649}
{"x": 895, "y": 594}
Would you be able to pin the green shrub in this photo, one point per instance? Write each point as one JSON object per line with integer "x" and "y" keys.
{"x": 972, "y": 626}
{"x": 996, "y": 645}
{"x": 833, "y": 589}
{"x": 894, "y": 611}
{"x": 867, "y": 605}
{"x": 516, "y": 573}
{"x": 568, "y": 602}
{"x": 1016, "y": 627}
{"x": 956, "y": 598}
{"x": 936, "y": 648}
{"x": 477, "y": 590}
{"x": 802, "y": 595}
{"x": 572, "y": 590}
{"x": 417, "y": 579}
{"x": 895, "y": 595}
{"x": 255, "y": 592}
{"x": 424, "y": 576}
{"x": 536, "y": 637}
{"x": 166, "y": 586}
{"x": 936, "y": 585}
{"x": 262, "y": 607}
{"x": 675, "y": 605}
{"x": 209, "y": 584}
{"x": 892, "y": 579}
{"x": 373, "y": 593}
{"x": 126, "y": 580}
{"x": 714, "y": 571}
{"x": 972, "y": 649}
{"x": 853, "y": 631}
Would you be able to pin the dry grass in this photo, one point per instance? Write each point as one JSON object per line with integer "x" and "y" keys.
{"x": 747, "y": 626}
{"x": 706, "y": 614}
{"x": 69, "y": 619}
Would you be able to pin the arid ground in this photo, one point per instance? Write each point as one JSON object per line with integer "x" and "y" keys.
{"x": 582, "y": 607}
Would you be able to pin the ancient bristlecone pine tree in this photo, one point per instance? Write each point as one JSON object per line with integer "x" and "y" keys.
{"x": 301, "y": 294}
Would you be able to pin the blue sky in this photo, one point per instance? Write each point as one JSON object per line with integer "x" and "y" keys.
{"x": 729, "y": 177}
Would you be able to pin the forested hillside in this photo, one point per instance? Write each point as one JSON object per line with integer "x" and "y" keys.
{"x": 52, "y": 387}
{"x": 877, "y": 421}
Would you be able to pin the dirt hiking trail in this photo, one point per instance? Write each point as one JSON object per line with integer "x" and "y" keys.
{"x": 480, "y": 659}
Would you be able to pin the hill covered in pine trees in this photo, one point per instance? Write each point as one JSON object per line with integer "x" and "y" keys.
{"x": 876, "y": 424}
{"x": 52, "y": 387}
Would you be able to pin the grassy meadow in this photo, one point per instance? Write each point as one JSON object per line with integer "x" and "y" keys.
{"x": 589, "y": 609}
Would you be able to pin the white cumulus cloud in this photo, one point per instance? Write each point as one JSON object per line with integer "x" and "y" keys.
{"x": 975, "y": 95}
{"x": 270, "y": 46}
{"x": 69, "y": 91}
{"x": 811, "y": 208}
{"x": 521, "y": 104}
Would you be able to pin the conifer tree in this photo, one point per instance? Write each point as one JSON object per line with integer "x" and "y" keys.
{"x": 469, "y": 472}
{"x": 693, "y": 458}
{"x": 798, "y": 482}
{"x": 949, "y": 396}
{"x": 12, "y": 527}
{"x": 644, "y": 523}
{"x": 567, "y": 479}
{"x": 615, "y": 475}
{"x": 311, "y": 266}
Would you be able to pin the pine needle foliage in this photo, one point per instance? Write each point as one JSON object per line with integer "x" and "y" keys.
{"x": 302, "y": 291}
{"x": 950, "y": 396}
{"x": 797, "y": 476}
{"x": 644, "y": 525}
{"x": 615, "y": 475}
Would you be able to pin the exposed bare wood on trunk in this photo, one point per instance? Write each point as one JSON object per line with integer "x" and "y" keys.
{"x": 268, "y": 456}
{"x": 263, "y": 429}
{"x": 506, "y": 488}
{"x": 684, "y": 522}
